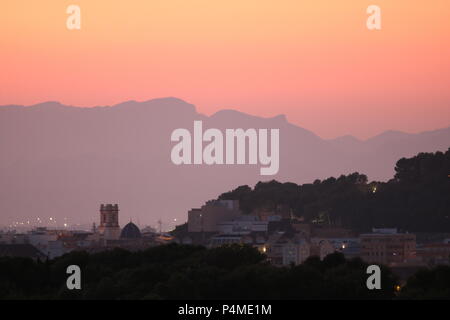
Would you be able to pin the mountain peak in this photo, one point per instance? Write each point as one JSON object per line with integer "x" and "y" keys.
{"x": 389, "y": 135}
{"x": 230, "y": 113}
{"x": 48, "y": 104}
{"x": 168, "y": 104}
{"x": 346, "y": 138}
{"x": 280, "y": 117}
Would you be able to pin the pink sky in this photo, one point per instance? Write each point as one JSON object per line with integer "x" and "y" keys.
{"x": 315, "y": 62}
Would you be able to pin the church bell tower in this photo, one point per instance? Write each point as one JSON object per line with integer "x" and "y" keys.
{"x": 109, "y": 221}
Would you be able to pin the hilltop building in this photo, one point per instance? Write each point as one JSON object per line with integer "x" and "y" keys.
{"x": 210, "y": 215}
{"x": 243, "y": 224}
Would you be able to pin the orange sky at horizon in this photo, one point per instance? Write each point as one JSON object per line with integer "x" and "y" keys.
{"x": 315, "y": 62}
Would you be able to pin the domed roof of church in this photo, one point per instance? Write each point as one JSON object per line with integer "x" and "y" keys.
{"x": 130, "y": 231}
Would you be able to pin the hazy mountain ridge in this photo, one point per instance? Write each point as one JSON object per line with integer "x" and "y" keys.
{"x": 64, "y": 161}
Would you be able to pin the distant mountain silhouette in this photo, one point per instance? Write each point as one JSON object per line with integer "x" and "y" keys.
{"x": 64, "y": 161}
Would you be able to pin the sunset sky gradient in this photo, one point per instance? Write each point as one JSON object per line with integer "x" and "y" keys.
{"x": 314, "y": 61}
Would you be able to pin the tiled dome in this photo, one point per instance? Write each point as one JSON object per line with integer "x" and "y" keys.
{"x": 130, "y": 231}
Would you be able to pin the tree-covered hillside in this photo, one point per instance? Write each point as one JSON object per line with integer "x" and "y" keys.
{"x": 416, "y": 199}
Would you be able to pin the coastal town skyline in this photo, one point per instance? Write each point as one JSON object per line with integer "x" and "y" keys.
{"x": 218, "y": 159}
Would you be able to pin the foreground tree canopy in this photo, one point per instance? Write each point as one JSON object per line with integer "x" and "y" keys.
{"x": 193, "y": 272}
{"x": 189, "y": 272}
{"x": 416, "y": 199}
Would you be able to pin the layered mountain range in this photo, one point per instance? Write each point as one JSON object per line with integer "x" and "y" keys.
{"x": 63, "y": 161}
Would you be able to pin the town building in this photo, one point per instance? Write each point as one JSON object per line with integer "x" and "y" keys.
{"x": 321, "y": 248}
{"x": 295, "y": 252}
{"x": 278, "y": 213}
{"x": 285, "y": 248}
{"x": 350, "y": 247}
{"x": 21, "y": 250}
{"x": 387, "y": 246}
{"x": 208, "y": 217}
{"x": 243, "y": 224}
{"x": 434, "y": 253}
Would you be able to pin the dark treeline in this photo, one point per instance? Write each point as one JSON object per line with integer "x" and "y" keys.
{"x": 193, "y": 272}
{"x": 189, "y": 272}
{"x": 416, "y": 199}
